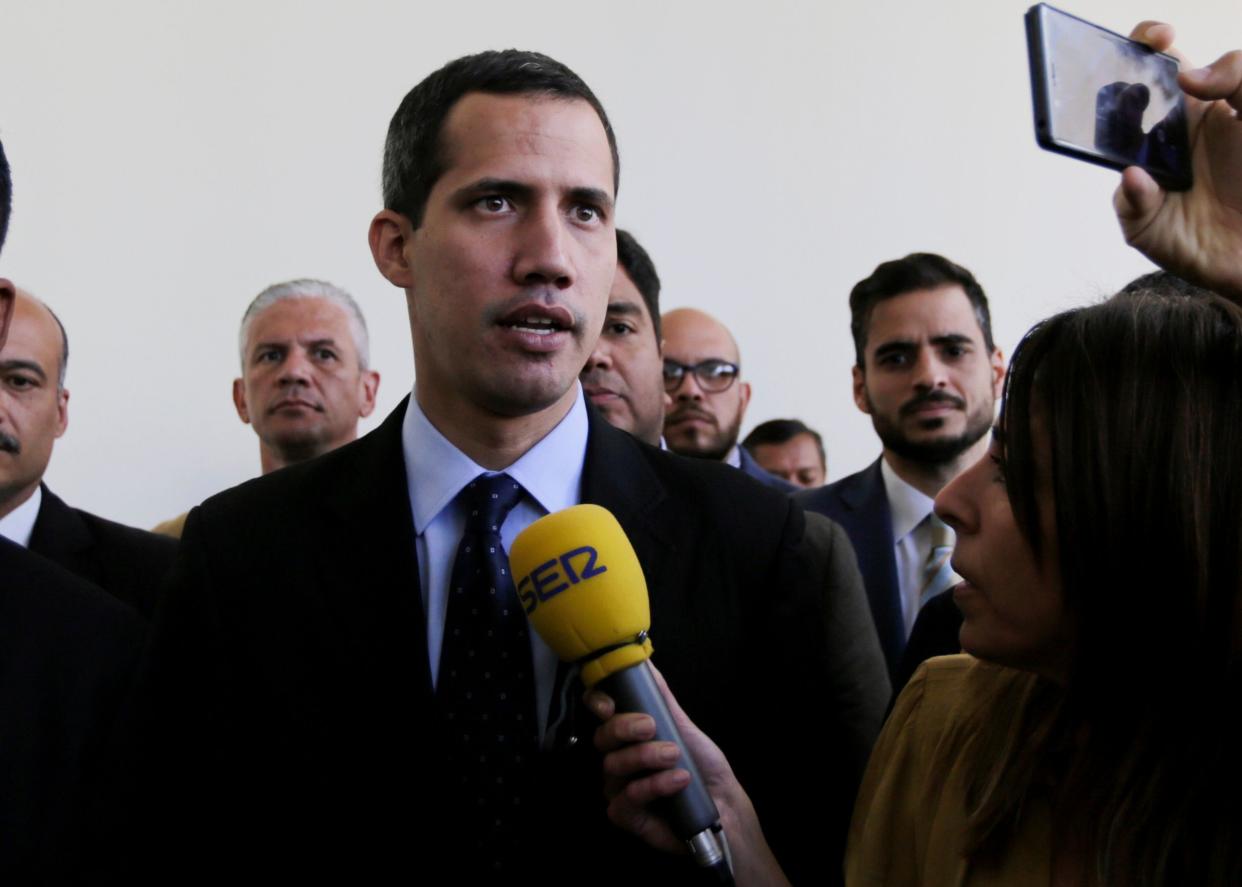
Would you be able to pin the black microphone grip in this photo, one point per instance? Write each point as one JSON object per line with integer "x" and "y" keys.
{"x": 692, "y": 810}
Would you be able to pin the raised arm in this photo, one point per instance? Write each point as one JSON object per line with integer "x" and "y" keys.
{"x": 1196, "y": 234}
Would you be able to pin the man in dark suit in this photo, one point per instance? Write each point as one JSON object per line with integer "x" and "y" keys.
{"x": 702, "y": 376}
{"x": 67, "y": 651}
{"x": 790, "y": 450}
{"x": 928, "y": 373}
{"x": 624, "y": 376}
{"x": 306, "y": 670}
{"x": 34, "y": 404}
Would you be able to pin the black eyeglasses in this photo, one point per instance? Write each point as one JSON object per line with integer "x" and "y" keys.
{"x": 712, "y": 375}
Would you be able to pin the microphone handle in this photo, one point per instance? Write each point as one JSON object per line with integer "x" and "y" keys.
{"x": 691, "y": 811}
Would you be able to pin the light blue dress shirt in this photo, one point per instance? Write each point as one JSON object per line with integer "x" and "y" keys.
{"x": 551, "y": 474}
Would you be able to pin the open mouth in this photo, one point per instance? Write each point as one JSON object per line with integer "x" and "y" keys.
{"x": 538, "y": 320}
{"x": 540, "y": 326}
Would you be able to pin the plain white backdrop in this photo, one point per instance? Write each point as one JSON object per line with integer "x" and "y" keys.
{"x": 171, "y": 159}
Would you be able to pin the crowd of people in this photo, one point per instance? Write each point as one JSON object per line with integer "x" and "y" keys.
{"x": 326, "y": 672}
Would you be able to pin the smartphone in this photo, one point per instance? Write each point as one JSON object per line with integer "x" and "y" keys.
{"x": 1106, "y": 99}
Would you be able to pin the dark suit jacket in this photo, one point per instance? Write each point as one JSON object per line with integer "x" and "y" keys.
{"x": 860, "y": 505}
{"x": 935, "y": 633}
{"x": 67, "y": 653}
{"x": 757, "y": 471}
{"x": 296, "y": 728}
{"x": 128, "y": 563}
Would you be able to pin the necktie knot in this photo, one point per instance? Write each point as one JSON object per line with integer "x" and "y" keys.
{"x": 489, "y": 498}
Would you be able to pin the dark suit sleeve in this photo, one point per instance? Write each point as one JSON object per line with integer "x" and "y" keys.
{"x": 821, "y": 693}
{"x": 935, "y": 633}
{"x": 180, "y": 726}
{"x": 858, "y": 679}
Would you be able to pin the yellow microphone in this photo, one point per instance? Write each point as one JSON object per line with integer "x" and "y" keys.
{"x": 583, "y": 590}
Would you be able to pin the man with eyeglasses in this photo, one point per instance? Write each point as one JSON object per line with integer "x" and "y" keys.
{"x": 702, "y": 371}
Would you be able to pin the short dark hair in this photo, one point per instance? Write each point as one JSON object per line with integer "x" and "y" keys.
{"x": 6, "y": 195}
{"x": 638, "y": 265}
{"x": 779, "y": 431}
{"x": 917, "y": 271}
{"x": 414, "y": 154}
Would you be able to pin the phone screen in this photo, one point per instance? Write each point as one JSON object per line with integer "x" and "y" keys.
{"x": 1107, "y": 99}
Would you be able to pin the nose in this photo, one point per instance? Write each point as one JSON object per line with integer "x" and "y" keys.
{"x": 954, "y": 503}
{"x": 296, "y": 369}
{"x": 601, "y": 356}
{"x": 542, "y": 257}
{"x": 687, "y": 388}
{"x": 929, "y": 371}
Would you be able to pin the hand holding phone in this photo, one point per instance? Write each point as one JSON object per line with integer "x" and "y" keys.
{"x": 1105, "y": 99}
{"x": 1196, "y": 233}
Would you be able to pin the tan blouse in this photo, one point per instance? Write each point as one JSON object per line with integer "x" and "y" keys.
{"x": 910, "y": 817}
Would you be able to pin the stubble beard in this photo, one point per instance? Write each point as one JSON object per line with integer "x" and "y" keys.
{"x": 934, "y": 451}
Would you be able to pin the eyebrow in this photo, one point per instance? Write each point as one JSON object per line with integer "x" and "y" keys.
{"x": 625, "y": 309}
{"x": 510, "y": 188}
{"x": 910, "y": 344}
{"x": 10, "y": 365}
{"x": 314, "y": 343}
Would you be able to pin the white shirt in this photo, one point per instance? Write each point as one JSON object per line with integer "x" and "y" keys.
{"x": 18, "y": 524}
{"x": 436, "y": 471}
{"x": 912, "y": 538}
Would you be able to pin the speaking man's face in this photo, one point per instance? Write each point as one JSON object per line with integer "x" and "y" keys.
{"x": 507, "y": 277}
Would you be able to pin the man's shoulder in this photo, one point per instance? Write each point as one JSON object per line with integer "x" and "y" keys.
{"x": 127, "y": 540}
{"x": 44, "y": 603}
{"x": 837, "y": 499}
{"x": 347, "y": 482}
{"x": 98, "y": 548}
{"x": 748, "y": 464}
{"x": 716, "y": 489}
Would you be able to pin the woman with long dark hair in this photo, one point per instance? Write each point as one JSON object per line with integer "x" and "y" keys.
{"x": 1093, "y": 736}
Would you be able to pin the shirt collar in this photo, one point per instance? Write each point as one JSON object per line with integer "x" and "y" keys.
{"x": 18, "y": 525}
{"x": 734, "y": 457}
{"x": 907, "y": 505}
{"x": 550, "y": 472}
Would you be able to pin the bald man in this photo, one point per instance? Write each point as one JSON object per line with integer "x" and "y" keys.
{"x": 702, "y": 377}
{"x": 34, "y": 412}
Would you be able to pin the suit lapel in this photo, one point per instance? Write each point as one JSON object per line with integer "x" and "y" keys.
{"x": 367, "y": 559}
{"x": 872, "y": 533}
{"x": 59, "y": 533}
{"x": 618, "y": 477}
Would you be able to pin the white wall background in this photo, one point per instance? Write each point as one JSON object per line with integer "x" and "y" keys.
{"x": 173, "y": 158}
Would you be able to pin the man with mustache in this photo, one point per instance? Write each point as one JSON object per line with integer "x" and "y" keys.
{"x": 341, "y": 681}
{"x": 67, "y": 653}
{"x": 305, "y": 379}
{"x": 928, "y": 373}
{"x": 34, "y": 412}
{"x": 702, "y": 377}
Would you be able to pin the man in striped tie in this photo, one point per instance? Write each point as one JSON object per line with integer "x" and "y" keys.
{"x": 928, "y": 374}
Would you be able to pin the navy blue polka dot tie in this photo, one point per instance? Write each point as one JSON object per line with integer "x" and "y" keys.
{"x": 486, "y": 687}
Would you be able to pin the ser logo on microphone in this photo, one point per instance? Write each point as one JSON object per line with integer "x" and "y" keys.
{"x": 547, "y": 581}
